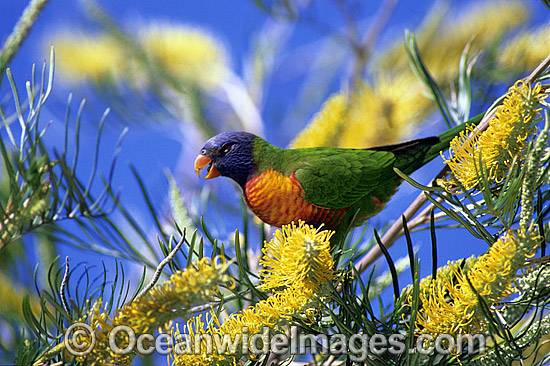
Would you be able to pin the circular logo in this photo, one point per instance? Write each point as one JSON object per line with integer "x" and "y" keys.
{"x": 79, "y": 339}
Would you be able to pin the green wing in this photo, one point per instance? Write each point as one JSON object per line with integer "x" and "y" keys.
{"x": 337, "y": 178}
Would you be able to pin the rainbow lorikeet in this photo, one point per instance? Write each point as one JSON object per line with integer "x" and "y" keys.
{"x": 336, "y": 187}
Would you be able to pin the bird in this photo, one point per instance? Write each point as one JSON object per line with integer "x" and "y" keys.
{"x": 337, "y": 188}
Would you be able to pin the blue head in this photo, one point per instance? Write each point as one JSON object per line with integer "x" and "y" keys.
{"x": 228, "y": 154}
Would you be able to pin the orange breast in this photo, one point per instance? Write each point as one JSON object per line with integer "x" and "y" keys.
{"x": 278, "y": 200}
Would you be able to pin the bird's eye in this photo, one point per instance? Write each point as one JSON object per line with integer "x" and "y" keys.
{"x": 226, "y": 148}
{"x": 203, "y": 152}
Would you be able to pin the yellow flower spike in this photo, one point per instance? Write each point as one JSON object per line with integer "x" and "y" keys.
{"x": 184, "y": 289}
{"x": 326, "y": 126}
{"x": 526, "y": 50}
{"x": 374, "y": 114}
{"x": 154, "y": 309}
{"x": 88, "y": 58}
{"x": 101, "y": 325}
{"x": 484, "y": 22}
{"x": 191, "y": 348}
{"x": 462, "y": 162}
{"x": 272, "y": 313}
{"x": 297, "y": 264}
{"x": 186, "y": 53}
{"x": 449, "y": 304}
{"x": 505, "y": 138}
{"x": 443, "y": 37}
{"x": 297, "y": 255}
{"x": 380, "y": 113}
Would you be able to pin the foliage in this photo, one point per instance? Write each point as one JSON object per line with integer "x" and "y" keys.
{"x": 220, "y": 281}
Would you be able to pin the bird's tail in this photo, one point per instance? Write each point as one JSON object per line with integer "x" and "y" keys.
{"x": 414, "y": 154}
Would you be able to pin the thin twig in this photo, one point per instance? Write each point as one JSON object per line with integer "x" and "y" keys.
{"x": 161, "y": 266}
{"x": 538, "y": 70}
{"x": 199, "y": 308}
{"x": 391, "y": 235}
{"x": 363, "y": 49}
{"x": 380, "y": 20}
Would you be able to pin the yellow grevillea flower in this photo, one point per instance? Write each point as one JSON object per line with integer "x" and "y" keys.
{"x": 270, "y": 315}
{"x": 192, "y": 348}
{"x": 505, "y": 138}
{"x": 326, "y": 126}
{"x": 526, "y": 50}
{"x": 85, "y": 57}
{"x": 101, "y": 353}
{"x": 186, "y": 53}
{"x": 297, "y": 255}
{"x": 443, "y": 37}
{"x": 298, "y": 265}
{"x": 154, "y": 309}
{"x": 271, "y": 311}
{"x": 182, "y": 53}
{"x": 382, "y": 113}
{"x": 373, "y": 114}
{"x": 450, "y": 305}
{"x": 172, "y": 298}
{"x": 484, "y": 22}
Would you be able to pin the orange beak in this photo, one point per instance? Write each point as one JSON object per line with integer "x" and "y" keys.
{"x": 202, "y": 161}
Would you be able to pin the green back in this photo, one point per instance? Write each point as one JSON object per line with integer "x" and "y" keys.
{"x": 339, "y": 178}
